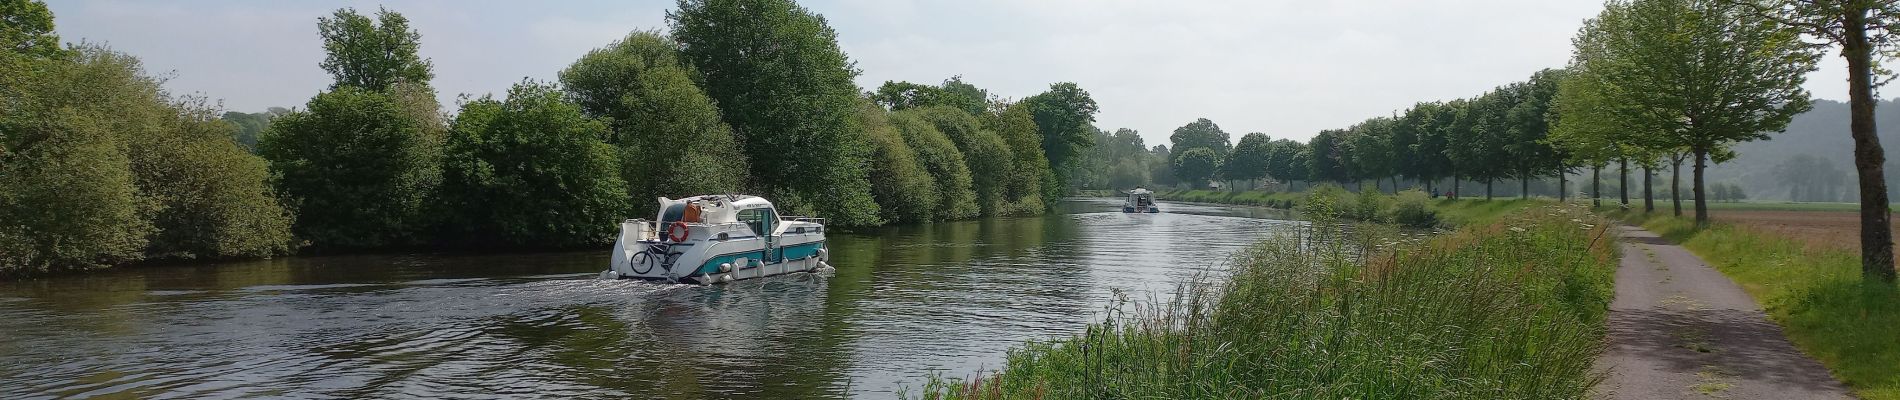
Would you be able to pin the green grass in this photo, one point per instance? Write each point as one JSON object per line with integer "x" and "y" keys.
{"x": 1816, "y": 294}
{"x": 1511, "y": 309}
{"x": 1449, "y": 213}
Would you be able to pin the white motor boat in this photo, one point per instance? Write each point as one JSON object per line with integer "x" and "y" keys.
{"x": 717, "y": 238}
{"x": 1140, "y": 201}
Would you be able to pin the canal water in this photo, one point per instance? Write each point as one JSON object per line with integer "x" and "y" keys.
{"x": 905, "y": 302}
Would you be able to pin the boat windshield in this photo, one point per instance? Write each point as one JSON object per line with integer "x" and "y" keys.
{"x": 761, "y": 220}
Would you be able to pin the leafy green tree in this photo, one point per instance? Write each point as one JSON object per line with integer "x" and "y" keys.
{"x": 988, "y": 157}
{"x": 348, "y": 145}
{"x": 1418, "y": 138}
{"x": 248, "y": 126}
{"x": 1200, "y": 134}
{"x": 948, "y": 168}
{"x": 1328, "y": 156}
{"x": 1197, "y": 165}
{"x": 1033, "y": 186}
{"x": 372, "y": 54}
{"x": 215, "y": 198}
{"x": 1065, "y": 116}
{"x": 1373, "y": 156}
{"x": 1249, "y": 159}
{"x": 1284, "y": 162}
{"x": 1160, "y": 172}
{"x": 670, "y": 138}
{"x": 1862, "y": 29}
{"x": 1477, "y": 140}
{"x": 530, "y": 171}
{"x": 67, "y": 193}
{"x": 1527, "y": 148}
{"x": 904, "y": 190}
{"x": 775, "y": 70}
{"x": 101, "y": 167}
{"x": 1746, "y": 79}
{"x": 26, "y": 29}
{"x": 954, "y": 92}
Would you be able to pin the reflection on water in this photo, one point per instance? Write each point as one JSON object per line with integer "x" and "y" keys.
{"x": 905, "y": 302}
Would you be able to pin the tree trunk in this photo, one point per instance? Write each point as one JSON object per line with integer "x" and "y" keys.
{"x": 1675, "y": 185}
{"x": 1701, "y": 201}
{"x": 1876, "y": 226}
{"x": 1623, "y": 181}
{"x": 1563, "y": 186}
{"x": 1649, "y": 199}
{"x": 1487, "y": 189}
{"x": 1456, "y": 190}
{"x": 1596, "y": 186}
{"x": 1523, "y": 188}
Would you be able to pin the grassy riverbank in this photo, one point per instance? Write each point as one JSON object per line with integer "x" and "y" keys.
{"x": 1511, "y": 307}
{"x": 1814, "y": 291}
{"x": 1406, "y": 208}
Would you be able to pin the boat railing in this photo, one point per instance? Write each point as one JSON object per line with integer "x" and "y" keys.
{"x": 795, "y": 218}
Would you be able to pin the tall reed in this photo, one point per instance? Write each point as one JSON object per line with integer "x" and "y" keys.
{"x": 1512, "y": 309}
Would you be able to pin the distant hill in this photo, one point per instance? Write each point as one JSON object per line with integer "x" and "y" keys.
{"x": 1769, "y": 170}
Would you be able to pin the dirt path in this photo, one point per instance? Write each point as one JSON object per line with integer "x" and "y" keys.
{"x": 1681, "y": 330}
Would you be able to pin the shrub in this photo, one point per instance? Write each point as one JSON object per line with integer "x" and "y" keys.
{"x": 1369, "y": 205}
{"x": 1327, "y": 200}
{"x": 1413, "y": 208}
{"x": 531, "y": 171}
{"x": 349, "y": 145}
{"x": 903, "y": 189}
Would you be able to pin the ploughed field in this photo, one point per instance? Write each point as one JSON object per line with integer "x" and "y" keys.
{"x": 1822, "y": 229}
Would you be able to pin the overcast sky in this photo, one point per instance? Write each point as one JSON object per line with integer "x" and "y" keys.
{"x": 1286, "y": 68}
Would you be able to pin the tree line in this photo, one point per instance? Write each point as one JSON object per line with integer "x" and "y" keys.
{"x": 99, "y": 166}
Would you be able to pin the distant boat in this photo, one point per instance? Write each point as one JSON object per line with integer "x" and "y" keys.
{"x": 717, "y": 238}
{"x": 1140, "y": 201}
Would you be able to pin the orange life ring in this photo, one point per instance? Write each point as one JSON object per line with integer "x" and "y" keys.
{"x": 678, "y": 231}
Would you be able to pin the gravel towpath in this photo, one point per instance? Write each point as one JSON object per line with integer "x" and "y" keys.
{"x": 1679, "y": 329}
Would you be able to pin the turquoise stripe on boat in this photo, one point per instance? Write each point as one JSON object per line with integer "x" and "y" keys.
{"x": 799, "y": 251}
{"x": 792, "y": 252}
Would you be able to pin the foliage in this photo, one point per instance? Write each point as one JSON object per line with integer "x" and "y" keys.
{"x": 775, "y": 70}
{"x": 954, "y": 93}
{"x": 530, "y": 171}
{"x": 1284, "y": 162}
{"x": 372, "y": 54}
{"x": 1200, "y": 134}
{"x": 348, "y": 145}
{"x": 249, "y": 125}
{"x": 988, "y": 157}
{"x": 1249, "y": 159}
{"x": 100, "y": 167}
{"x": 1747, "y": 80}
{"x": 1413, "y": 208}
{"x": 670, "y": 139}
{"x": 26, "y": 29}
{"x": 948, "y": 168}
{"x": 905, "y": 188}
{"x": 1064, "y": 115}
{"x": 1370, "y": 205}
{"x": 1196, "y": 165}
{"x": 1327, "y": 157}
{"x": 1033, "y": 185}
{"x": 1508, "y": 310}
